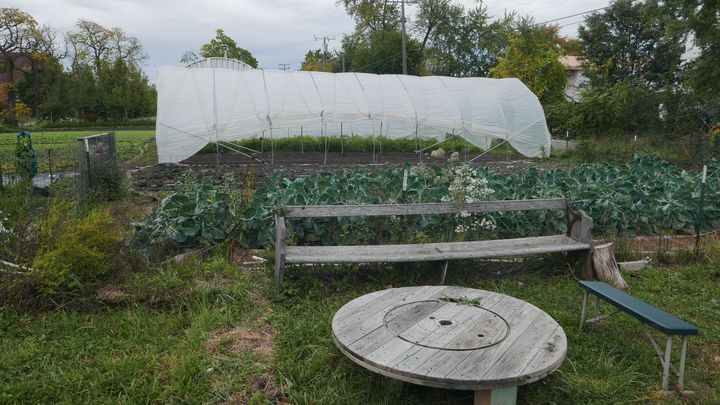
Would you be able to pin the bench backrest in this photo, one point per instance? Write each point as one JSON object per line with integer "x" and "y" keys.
{"x": 365, "y": 210}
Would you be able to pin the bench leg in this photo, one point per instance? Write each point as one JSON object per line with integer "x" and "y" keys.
{"x": 681, "y": 372}
{"x": 442, "y": 271}
{"x": 584, "y": 307}
{"x": 498, "y": 396}
{"x": 666, "y": 363}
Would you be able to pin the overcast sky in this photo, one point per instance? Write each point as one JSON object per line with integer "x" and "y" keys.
{"x": 274, "y": 31}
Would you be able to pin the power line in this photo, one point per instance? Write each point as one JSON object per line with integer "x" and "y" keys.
{"x": 577, "y": 14}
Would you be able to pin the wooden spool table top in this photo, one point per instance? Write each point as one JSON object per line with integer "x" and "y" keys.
{"x": 450, "y": 337}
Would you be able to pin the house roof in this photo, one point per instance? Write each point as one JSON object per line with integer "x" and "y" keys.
{"x": 571, "y": 62}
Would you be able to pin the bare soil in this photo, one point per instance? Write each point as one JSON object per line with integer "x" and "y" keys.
{"x": 291, "y": 165}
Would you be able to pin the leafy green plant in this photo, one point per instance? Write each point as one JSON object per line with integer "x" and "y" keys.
{"x": 196, "y": 213}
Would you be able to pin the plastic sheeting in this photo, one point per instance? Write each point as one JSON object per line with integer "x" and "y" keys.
{"x": 200, "y": 106}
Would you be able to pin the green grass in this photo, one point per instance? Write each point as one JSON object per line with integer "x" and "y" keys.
{"x": 151, "y": 347}
{"x": 64, "y": 147}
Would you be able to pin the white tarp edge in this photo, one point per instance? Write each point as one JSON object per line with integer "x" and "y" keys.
{"x": 199, "y": 106}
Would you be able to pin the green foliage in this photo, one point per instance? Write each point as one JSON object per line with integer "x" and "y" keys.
{"x": 379, "y": 54}
{"x": 313, "y": 62}
{"x": 623, "y": 108}
{"x": 632, "y": 40}
{"x": 645, "y": 196}
{"x": 26, "y": 161}
{"x": 462, "y": 42}
{"x": 704, "y": 70}
{"x": 222, "y": 45}
{"x": 141, "y": 122}
{"x": 532, "y": 58}
{"x": 196, "y": 213}
{"x": 77, "y": 253}
{"x": 106, "y": 182}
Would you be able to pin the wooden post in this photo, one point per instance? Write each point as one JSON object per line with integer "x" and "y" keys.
{"x": 280, "y": 244}
{"x": 498, "y": 396}
{"x": 580, "y": 228}
{"x": 606, "y": 267}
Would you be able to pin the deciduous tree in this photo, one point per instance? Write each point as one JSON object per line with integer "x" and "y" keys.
{"x": 532, "y": 58}
{"x": 224, "y": 46}
{"x": 17, "y": 28}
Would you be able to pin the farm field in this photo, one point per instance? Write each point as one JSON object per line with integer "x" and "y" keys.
{"x": 64, "y": 147}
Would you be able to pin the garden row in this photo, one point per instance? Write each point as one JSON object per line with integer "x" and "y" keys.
{"x": 644, "y": 196}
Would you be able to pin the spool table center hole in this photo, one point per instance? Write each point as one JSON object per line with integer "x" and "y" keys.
{"x": 445, "y": 322}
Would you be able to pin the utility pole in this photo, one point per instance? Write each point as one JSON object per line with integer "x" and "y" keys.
{"x": 402, "y": 22}
{"x": 325, "y": 40}
{"x": 283, "y": 66}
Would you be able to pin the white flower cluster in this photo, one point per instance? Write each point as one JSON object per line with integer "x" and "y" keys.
{"x": 477, "y": 224}
{"x": 467, "y": 187}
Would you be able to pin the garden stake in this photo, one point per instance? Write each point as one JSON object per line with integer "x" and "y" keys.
{"x": 699, "y": 219}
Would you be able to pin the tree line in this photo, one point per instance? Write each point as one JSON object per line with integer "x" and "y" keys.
{"x": 651, "y": 66}
{"x": 92, "y": 73}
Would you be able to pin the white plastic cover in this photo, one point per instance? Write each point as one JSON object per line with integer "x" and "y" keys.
{"x": 199, "y": 106}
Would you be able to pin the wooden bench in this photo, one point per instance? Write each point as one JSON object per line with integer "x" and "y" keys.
{"x": 647, "y": 314}
{"x": 578, "y": 237}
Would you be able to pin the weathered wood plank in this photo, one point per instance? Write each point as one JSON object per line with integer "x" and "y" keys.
{"x": 533, "y": 346}
{"x": 359, "y": 322}
{"x": 365, "y": 210}
{"x": 432, "y": 251}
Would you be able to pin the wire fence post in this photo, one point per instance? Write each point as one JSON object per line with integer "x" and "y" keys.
{"x": 50, "y": 168}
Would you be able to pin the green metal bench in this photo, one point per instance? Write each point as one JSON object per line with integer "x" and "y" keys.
{"x": 664, "y": 322}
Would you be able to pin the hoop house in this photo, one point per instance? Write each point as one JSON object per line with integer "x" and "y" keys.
{"x": 203, "y": 105}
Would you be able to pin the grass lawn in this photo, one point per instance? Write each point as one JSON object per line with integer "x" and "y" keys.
{"x": 208, "y": 332}
{"x": 64, "y": 145}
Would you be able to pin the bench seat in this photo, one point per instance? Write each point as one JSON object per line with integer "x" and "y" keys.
{"x": 432, "y": 251}
{"x": 661, "y": 320}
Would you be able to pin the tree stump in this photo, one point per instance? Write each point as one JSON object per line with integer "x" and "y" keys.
{"x": 606, "y": 267}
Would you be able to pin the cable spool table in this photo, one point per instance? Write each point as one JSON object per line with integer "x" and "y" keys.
{"x": 451, "y": 337}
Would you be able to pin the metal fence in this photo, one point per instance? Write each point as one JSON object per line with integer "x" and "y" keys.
{"x": 53, "y": 162}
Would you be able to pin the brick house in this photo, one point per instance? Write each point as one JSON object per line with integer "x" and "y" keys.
{"x": 21, "y": 63}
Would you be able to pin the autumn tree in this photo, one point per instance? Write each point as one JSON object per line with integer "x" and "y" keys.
{"x": 313, "y": 61}
{"x": 17, "y": 29}
{"x": 224, "y": 46}
{"x": 93, "y": 43}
